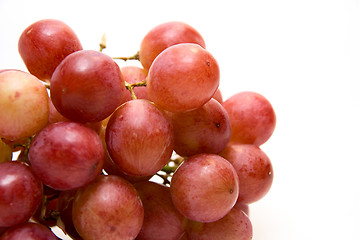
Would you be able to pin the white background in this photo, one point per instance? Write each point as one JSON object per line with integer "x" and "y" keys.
{"x": 301, "y": 55}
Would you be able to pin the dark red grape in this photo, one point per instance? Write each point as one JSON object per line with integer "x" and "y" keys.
{"x": 20, "y": 193}
{"x": 66, "y": 155}
{"x": 87, "y": 86}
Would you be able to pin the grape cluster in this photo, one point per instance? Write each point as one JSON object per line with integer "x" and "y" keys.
{"x": 94, "y": 140}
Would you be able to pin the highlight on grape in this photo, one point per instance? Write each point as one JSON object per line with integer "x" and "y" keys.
{"x": 110, "y": 152}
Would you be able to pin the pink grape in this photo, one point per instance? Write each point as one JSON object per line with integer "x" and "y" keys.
{"x": 24, "y": 108}
{"x": 44, "y": 44}
{"x": 204, "y": 188}
{"x": 236, "y": 225}
{"x": 29, "y": 231}
{"x": 108, "y": 208}
{"x": 139, "y": 138}
{"x": 204, "y": 130}
{"x": 87, "y": 86}
{"x": 66, "y": 155}
{"x": 183, "y": 77}
{"x": 159, "y": 212}
{"x": 165, "y": 35}
{"x": 252, "y": 116}
{"x": 254, "y": 169}
{"x": 20, "y": 193}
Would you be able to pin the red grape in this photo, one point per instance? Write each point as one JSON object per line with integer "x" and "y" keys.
{"x": 204, "y": 130}
{"x": 66, "y": 155}
{"x": 183, "y": 77}
{"x": 236, "y": 225}
{"x": 254, "y": 169}
{"x": 159, "y": 212}
{"x": 87, "y": 86}
{"x": 108, "y": 208}
{"x": 252, "y": 116}
{"x": 20, "y": 193}
{"x": 139, "y": 138}
{"x": 165, "y": 35}
{"x": 44, "y": 44}
{"x": 29, "y": 231}
{"x": 204, "y": 188}
{"x": 24, "y": 107}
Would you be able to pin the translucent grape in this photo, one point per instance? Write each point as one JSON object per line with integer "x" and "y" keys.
{"x": 252, "y": 117}
{"x": 108, "y": 208}
{"x": 24, "y": 108}
{"x": 183, "y": 77}
{"x": 165, "y": 35}
{"x": 44, "y": 44}
{"x": 204, "y": 188}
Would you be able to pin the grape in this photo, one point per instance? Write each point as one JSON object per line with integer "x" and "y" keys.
{"x": 252, "y": 116}
{"x": 44, "y": 44}
{"x": 133, "y": 74}
{"x": 87, "y": 86}
{"x": 165, "y": 35}
{"x": 139, "y": 138}
{"x": 66, "y": 155}
{"x": 254, "y": 169}
{"x": 20, "y": 193}
{"x": 183, "y": 77}
{"x": 108, "y": 208}
{"x": 204, "y": 188}
{"x": 159, "y": 212}
{"x": 236, "y": 225}
{"x": 24, "y": 108}
{"x": 5, "y": 152}
{"x": 29, "y": 231}
{"x": 204, "y": 130}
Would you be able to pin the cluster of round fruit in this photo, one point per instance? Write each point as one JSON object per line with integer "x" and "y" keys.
{"x": 92, "y": 135}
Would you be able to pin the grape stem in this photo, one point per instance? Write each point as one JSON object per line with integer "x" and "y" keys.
{"x": 136, "y": 56}
{"x": 131, "y": 86}
{"x": 103, "y": 42}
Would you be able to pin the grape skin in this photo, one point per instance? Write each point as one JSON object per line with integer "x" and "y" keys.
{"x": 204, "y": 130}
{"x": 204, "y": 188}
{"x": 108, "y": 208}
{"x": 24, "y": 108}
{"x": 29, "y": 231}
{"x": 236, "y": 225}
{"x": 139, "y": 138}
{"x": 254, "y": 169}
{"x": 252, "y": 117}
{"x": 20, "y": 193}
{"x": 165, "y": 35}
{"x": 44, "y": 44}
{"x": 87, "y": 86}
{"x": 183, "y": 77}
{"x": 66, "y": 155}
{"x": 159, "y": 212}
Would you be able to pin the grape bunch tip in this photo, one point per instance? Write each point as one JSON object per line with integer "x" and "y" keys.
{"x": 104, "y": 151}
